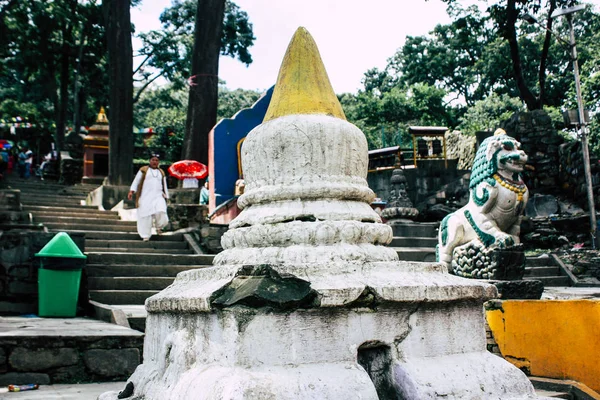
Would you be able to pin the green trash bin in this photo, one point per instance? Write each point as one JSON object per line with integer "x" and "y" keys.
{"x": 59, "y": 277}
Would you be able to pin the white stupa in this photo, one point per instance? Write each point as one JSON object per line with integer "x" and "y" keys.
{"x": 306, "y": 301}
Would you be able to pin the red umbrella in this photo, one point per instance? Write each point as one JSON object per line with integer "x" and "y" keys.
{"x": 188, "y": 169}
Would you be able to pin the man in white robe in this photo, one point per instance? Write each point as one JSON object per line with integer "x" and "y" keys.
{"x": 150, "y": 189}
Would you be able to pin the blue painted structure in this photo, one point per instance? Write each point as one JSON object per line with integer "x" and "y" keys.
{"x": 223, "y": 153}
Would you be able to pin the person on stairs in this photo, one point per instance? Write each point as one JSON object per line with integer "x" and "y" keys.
{"x": 150, "y": 188}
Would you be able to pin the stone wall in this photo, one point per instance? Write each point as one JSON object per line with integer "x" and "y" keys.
{"x": 71, "y": 170}
{"x": 554, "y": 167}
{"x": 18, "y": 271}
{"x": 571, "y": 175}
{"x": 35, "y": 359}
{"x": 462, "y": 148}
{"x": 422, "y": 182}
{"x": 540, "y": 141}
{"x": 186, "y": 216}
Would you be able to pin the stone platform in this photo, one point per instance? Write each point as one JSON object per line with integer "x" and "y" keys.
{"x": 66, "y": 350}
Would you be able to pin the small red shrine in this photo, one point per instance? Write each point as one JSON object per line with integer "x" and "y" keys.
{"x": 95, "y": 150}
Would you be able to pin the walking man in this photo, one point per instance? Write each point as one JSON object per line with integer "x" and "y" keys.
{"x": 150, "y": 188}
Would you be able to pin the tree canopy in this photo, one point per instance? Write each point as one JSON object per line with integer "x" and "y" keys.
{"x": 54, "y": 58}
{"x": 462, "y": 74}
{"x": 468, "y": 74}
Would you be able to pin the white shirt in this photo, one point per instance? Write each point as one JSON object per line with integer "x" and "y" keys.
{"x": 151, "y": 199}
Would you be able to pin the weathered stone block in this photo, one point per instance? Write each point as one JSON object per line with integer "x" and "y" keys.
{"x": 23, "y": 359}
{"x": 3, "y": 364}
{"x": 184, "y": 196}
{"x": 17, "y": 288}
{"x": 10, "y": 199}
{"x": 187, "y": 215}
{"x": 74, "y": 373}
{"x": 510, "y": 263}
{"x": 71, "y": 171}
{"x": 210, "y": 237}
{"x": 19, "y": 271}
{"x": 519, "y": 290}
{"x": 15, "y": 217}
{"x": 112, "y": 363}
{"x": 23, "y": 378}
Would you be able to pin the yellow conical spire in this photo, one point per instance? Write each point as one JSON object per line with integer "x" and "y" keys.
{"x": 101, "y": 118}
{"x": 303, "y": 86}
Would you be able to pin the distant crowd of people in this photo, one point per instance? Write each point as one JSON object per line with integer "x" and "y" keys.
{"x": 21, "y": 161}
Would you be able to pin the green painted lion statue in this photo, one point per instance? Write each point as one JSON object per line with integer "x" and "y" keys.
{"x": 498, "y": 195}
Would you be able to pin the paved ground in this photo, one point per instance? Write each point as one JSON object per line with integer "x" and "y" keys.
{"x": 89, "y": 391}
{"x": 36, "y": 326}
{"x": 563, "y": 293}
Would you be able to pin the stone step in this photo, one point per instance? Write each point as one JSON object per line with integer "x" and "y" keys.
{"x": 47, "y": 351}
{"x": 74, "y": 213}
{"x": 424, "y": 254}
{"x": 106, "y": 235}
{"x": 121, "y": 296}
{"x": 137, "y": 323}
{"x": 133, "y": 244}
{"x": 137, "y": 250}
{"x": 41, "y": 201}
{"x": 133, "y": 270}
{"x": 129, "y": 283}
{"x": 551, "y": 280}
{"x": 552, "y": 394}
{"x": 52, "y": 187}
{"x": 542, "y": 271}
{"x": 28, "y": 204}
{"x": 65, "y": 226}
{"x": 562, "y": 389}
{"x": 83, "y": 220}
{"x": 136, "y": 315}
{"x": 149, "y": 259}
{"x": 413, "y": 242}
{"x": 539, "y": 261}
{"x": 416, "y": 229}
{"x": 76, "y": 210}
{"x": 45, "y": 194}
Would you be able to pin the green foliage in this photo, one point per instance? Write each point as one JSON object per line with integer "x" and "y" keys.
{"x": 461, "y": 74}
{"x": 165, "y": 110}
{"x": 167, "y": 52}
{"x": 448, "y": 57}
{"x": 594, "y": 135}
{"x": 385, "y": 113}
{"x": 486, "y": 114}
{"x": 36, "y": 38}
{"x": 232, "y": 101}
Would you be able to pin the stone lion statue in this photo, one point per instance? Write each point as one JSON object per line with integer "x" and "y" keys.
{"x": 498, "y": 195}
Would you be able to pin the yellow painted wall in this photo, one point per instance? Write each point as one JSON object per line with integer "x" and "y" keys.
{"x": 556, "y": 338}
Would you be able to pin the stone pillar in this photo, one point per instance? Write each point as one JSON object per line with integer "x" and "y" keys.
{"x": 306, "y": 301}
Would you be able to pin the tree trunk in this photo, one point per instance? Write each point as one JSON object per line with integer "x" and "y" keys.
{"x": 511, "y": 35}
{"x": 544, "y": 56}
{"x": 76, "y": 85}
{"x": 202, "y": 106}
{"x": 117, "y": 19}
{"x": 61, "y": 112}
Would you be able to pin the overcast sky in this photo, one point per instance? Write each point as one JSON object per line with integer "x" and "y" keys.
{"x": 352, "y": 35}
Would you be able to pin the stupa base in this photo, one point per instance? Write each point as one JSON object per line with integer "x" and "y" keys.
{"x": 423, "y": 339}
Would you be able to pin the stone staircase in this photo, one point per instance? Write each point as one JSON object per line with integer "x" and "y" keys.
{"x": 415, "y": 241}
{"x": 546, "y": 269}
{"x": 122, "y": 271}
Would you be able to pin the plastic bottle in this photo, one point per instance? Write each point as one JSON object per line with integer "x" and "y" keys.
{"x": 21, "y": 388}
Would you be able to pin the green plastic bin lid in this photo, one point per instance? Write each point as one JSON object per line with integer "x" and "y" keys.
{"x": 61, "y": 245}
